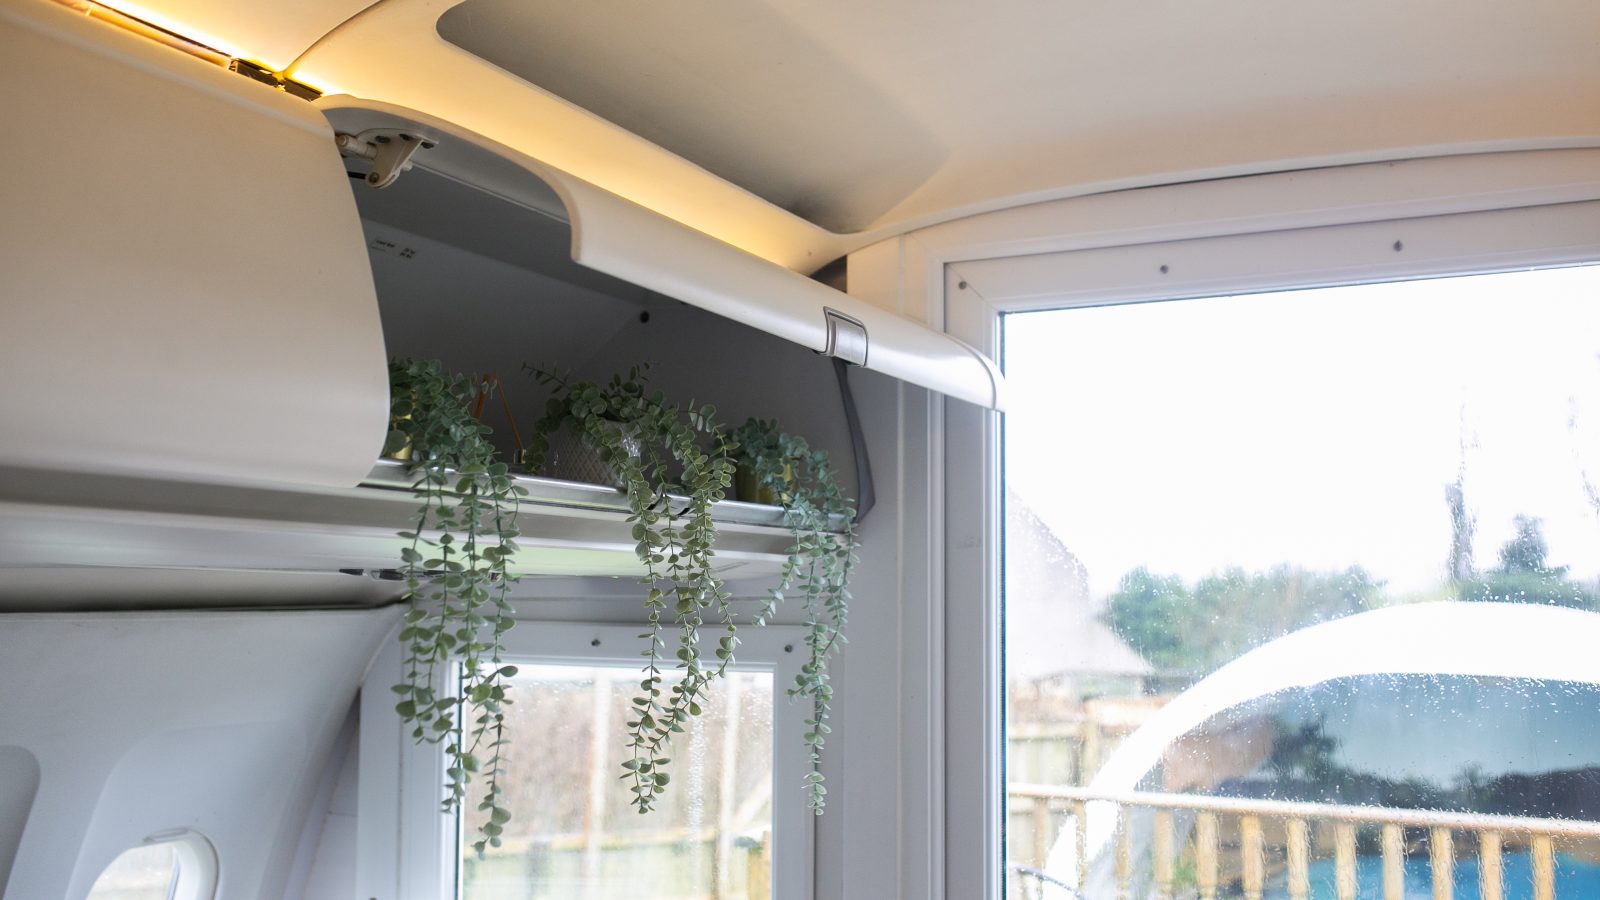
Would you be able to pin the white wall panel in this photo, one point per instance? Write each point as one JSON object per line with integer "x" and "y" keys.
{"x": 142, "y": 723}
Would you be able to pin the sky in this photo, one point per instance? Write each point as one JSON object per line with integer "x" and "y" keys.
{"x": 1315, "y": 428}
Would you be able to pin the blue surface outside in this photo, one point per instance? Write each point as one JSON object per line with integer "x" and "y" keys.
{"x": 1574, "y": 879}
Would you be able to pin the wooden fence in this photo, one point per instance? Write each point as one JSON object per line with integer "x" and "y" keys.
{"x": 1241, "y": 861}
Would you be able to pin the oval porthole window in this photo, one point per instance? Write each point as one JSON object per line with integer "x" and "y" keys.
{"x": 177, "y": 866}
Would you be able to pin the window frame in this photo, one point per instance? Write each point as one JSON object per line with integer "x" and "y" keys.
{"x": 407, "y": 847}
{"x": 1421, "y": 218}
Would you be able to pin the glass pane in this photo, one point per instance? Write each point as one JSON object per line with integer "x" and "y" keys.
{"x": 141, "y": 873}
{"x": 575, "y": 834}
{"x": 1336, "y": 546}
{"x": 1350, "y": 740}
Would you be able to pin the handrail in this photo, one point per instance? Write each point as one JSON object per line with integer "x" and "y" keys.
{"x": 1289, "y": 809}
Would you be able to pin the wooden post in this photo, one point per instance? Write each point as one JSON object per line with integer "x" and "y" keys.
{"x": 1205, "y": 854}
{"x": 727, "y": 783}
{"x": 1041, "y": 831}
{"x": 1080, "y": 812}
{"x": 1491, "y": 875}
{"x": 1394, "y": 863}
{"x": 1162, "y": 863}
{"x": 758, "y": 870}
{"x": 1089, "y": 759}
{"x": 1252, "y": 856}
{"x": 1344, "y": 860}
{"x": 1442, "y": 860}
{"x": 1125, "y": 855}
{"x": 1299, "y": 840}
{"x": 1544, "y": 868}
{"x": 594, "y": 813}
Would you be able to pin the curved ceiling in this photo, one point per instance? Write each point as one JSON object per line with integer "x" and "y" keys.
{"x": 802, "y": 131}
{"x": 860, "y": 115}
{"x": 754, "y": 100}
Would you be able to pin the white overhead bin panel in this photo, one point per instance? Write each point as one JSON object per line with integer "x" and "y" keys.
{"x": 185, "y": 289}
{"x": 620, "y": 238}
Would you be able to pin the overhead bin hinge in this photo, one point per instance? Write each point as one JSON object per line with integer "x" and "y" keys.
{"x": 847, "y": 337}
{"x": 258, "y": 72}
{"x": 169, "y": 38}
{"x": 390, "y": 150}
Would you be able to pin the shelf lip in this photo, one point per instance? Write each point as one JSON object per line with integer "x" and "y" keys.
{"x": 391, "y": 474}
{"x": 57, "y": 522}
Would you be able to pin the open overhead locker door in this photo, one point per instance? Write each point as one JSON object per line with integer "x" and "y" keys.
{"x": 186, "y": 293}
{"x": 623, "y": 239}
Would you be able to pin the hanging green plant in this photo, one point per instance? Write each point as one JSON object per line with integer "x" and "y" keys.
{"x": 654, "y": 450}
{"x": 818, "y": 566}
{"x": 455, "y": 564}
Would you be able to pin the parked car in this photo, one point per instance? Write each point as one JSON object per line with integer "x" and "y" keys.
{"x": 1459, "y": 709}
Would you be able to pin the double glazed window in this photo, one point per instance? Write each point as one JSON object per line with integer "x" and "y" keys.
{"x": 731, "y": 823}
{"x": 1294, "y": 551}
{"x": 576, "y": 833}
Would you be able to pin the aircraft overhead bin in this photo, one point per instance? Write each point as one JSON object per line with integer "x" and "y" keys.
{"x": 202, "y": 350}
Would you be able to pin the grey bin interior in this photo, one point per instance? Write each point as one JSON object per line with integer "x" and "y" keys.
{"x": 486, "y": 285}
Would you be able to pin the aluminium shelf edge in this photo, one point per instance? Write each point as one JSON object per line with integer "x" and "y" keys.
{"x": 56, "y": 524}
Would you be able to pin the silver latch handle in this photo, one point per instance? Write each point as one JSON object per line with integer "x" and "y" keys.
{"x": 847, "y": 337}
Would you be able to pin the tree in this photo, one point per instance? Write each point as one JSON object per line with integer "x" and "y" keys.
{"x": 1146, "y": 611}
{"x": 1227, "y": 613}
{"x": 1526, "y": 551}
{"x": 1525, "y": 575}
{"x": 1462, "y": 526}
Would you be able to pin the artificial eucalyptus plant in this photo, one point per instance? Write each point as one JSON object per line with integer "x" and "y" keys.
{"x": 455, "y": 566}
{"x": 818, "y": 566}
{"x": 671, "y": 481}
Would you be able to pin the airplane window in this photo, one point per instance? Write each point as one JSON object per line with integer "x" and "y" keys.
{"x": 147, "y": 872}
{"x": 1298, "y": 587}
{"x": 575, "y": 832}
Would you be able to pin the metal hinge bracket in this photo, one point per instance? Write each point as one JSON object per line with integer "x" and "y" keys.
{"x": 389, "y": 149}
{"x": 258, "y": 72}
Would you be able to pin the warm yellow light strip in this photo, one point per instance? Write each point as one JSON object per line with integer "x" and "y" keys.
{"x": 131, "y": 16}
{"x": 165, "y": 30}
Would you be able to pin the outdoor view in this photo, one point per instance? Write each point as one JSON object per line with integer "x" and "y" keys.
{"x": 146, "y": 872}
{"x": 576, "y": 836}
{"x": 1271, "y": 557}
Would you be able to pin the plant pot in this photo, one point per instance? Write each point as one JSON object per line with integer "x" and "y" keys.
{"x": 747, "y": 486}
{"x": 398, "y": 444}
{"x": 572, "y": 458}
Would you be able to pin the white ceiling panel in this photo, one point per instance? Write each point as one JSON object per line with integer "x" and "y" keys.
{"x": 857, "y": 115}
{"x": 800, "y": 131}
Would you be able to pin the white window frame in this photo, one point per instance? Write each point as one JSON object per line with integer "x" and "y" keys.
{"x": 1426, "y": 217}
{"x": 406, "y": 846}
